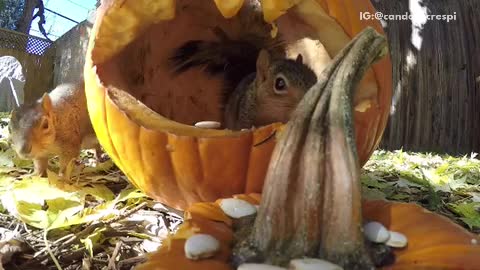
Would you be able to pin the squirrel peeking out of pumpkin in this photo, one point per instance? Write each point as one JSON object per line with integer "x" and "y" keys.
{"x": 262, "y": 86}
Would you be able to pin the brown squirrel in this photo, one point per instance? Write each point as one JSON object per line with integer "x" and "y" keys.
{"x": 270, "y": 94}
{"x": 258, "y": 89}
{"x": 56, "y": 124}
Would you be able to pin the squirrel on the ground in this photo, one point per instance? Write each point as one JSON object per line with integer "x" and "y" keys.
{"x": 262, "y": 86}
{"x": 56, "y": 124}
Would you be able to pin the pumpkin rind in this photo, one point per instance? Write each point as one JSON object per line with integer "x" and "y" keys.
{"x": 435, "y": 242}
{"x": 178, "y": 164}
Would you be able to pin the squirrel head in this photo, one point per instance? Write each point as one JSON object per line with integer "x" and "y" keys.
{"x": 31, "y": 128}
{"x": 280, "y": 85}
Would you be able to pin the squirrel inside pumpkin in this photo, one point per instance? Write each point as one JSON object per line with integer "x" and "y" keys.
{"x": 262, "y": 85}
{"x": 270, "y": 94}
{"x": 56, "y": 124}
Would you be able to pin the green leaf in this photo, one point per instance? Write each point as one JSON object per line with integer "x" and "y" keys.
{"x": 22, "y": 163}
{"x": 6, "y": 158}
{"x": 372, "y": 194}
{"x": 105, "y": 210}
{"x": 469, "y": 212}
{"x": 400, "y": 197}
{"x": 41, "y": 205}
{"x": 37, "y": 190}
{"x": 130, "y": 193}
{"x": 51, "y": 203}
{"x": 91, "y": 240}
{"x": 101, "y": 192}
{"x": 32, "y": 214}
{"x": 61, "y": 211}
{"x": 373, "y": 181}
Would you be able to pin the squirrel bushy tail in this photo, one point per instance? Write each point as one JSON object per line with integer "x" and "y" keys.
{"x": 234, "y": 59}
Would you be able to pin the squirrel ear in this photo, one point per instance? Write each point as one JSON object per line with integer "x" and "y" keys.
{"x": 12, "y": 113}
{"x": 263, "y": 63}
{"x": 299, "y": 59}
{"x": 46, "y": 103}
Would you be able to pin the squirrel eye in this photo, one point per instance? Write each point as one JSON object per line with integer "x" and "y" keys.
{"x": 280, "y": 85}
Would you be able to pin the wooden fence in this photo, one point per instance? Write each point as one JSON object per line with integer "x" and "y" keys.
{"x": 37, "y": 57}
{"x": 436, "y": 103}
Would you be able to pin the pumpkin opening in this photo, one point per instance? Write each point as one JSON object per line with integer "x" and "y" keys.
{"x": 142, "y": 68}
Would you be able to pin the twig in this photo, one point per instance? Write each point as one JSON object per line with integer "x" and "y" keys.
{"x": 26, "y": 229}
{"x": 111, "y": 262}
{"x": 132, "y": 261}
{"x": 86, "y": 264}
{"x": 59, "y": 240}
{"x": 125, "y": 214}
{"x": 57, "y": 264}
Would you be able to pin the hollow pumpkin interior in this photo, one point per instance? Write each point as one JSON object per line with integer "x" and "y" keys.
{"x": 143, "y": 115}
{"x": 142, "y": 68}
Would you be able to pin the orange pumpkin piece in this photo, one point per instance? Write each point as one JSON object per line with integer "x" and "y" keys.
{"x": 209, "y": 210}
{"x": 434, "y": 242}
{"x": 174, "y": 258}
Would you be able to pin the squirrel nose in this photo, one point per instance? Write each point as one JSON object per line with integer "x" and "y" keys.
{"x": 26, "y": 148}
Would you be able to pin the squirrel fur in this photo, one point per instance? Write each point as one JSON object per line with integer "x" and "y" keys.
{"x": 56, "y": 124}
{"x": 250, "y": 65}
{"x": 270, "y": 94}
{"x": 231, "y": 58}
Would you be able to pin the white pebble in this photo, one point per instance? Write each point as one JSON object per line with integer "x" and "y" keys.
{"x": 208, "y": 124}
{"x": 200, "y": 246}
{"x": 376, "y": 232}
{"x": 237, "y": 208}
{"x": 474, "y": 241}
{"x": 397, "y": 240}
{"x": 312, "y": 264}
{"x": 159, "y": 207}
{"x": 259, "y": 266}
{"x": 150, "y": 246}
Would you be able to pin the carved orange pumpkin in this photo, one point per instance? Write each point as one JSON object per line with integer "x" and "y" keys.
{"x": 143, "y": 116}
{"x": 434, "y": 241}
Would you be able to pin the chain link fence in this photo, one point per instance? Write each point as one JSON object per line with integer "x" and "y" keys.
{"x": 22, "y": 42}
{"x": 36, "y": 55}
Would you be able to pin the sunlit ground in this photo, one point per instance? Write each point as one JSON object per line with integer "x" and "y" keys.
{"x": 441, "y": 183}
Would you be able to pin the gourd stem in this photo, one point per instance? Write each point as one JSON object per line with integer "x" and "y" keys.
{"x": 311, "y": 202}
